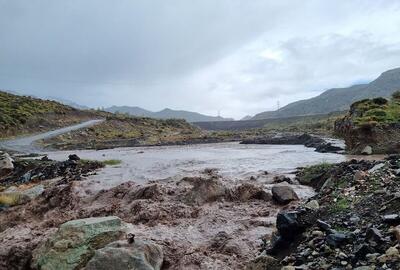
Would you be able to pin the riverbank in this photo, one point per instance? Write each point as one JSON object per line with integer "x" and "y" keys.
{"x": 352, "y": 223}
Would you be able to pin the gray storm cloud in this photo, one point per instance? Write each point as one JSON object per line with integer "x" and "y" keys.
{"x": 236, "y": 56}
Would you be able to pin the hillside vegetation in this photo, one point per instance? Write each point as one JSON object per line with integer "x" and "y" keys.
{"x": 372, "y": 126}
{"x": 376, "y": 111}
{"x": 23, "y": 115}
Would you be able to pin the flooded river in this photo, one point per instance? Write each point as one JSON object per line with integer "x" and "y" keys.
{"x": 232, "y": 160}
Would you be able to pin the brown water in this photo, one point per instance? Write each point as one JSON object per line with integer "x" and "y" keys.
{"x": 191, "y": 234}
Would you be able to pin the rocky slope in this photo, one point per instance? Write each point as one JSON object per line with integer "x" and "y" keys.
{"x": 372, "y": 126}
{"x": 352, "y": 223}
{"x": 339, "y": 99}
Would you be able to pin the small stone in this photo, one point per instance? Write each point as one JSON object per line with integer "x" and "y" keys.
{"x": 372, "y": 257}
{"x": 323, "y": 225}
{"x": 374, "y": 234}
{"x": 367, "y": 150}
{"x": 392, "y": 252}
{"x": 355, "y": 219}
{"x": 314, "y": 205}
{"x": 74, "y": 157}
{"x": 336, "y": 239}
{"x": 396, "y": 232}
{"x": 344, "y": 263}
{"x": 317, "y": 234}
{"x": 342, "y": 255}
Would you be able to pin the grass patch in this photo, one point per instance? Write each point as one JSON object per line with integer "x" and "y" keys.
{"x": 308, "y": 174}
{"x": 112, "y": 162}
{"x": 342, "y": 204}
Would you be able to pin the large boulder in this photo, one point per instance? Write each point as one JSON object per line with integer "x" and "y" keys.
{"x": 284, "y": 194}
{"x": 6, "y": 163}
{"x": 75, "y": 243}
{"x": 121, "y": 255}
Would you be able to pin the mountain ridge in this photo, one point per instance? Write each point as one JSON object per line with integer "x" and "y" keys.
{"x": 166, "y": 114}
{"x": 339, "y": 99}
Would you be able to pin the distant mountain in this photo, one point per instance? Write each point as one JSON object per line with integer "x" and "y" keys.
{"x": 339, "y": 99}
{"x": 247, "y": 117}
{"x": 69, "y": 103}
{"x": 136, "y": 111}
{"x": 166, "y": 114}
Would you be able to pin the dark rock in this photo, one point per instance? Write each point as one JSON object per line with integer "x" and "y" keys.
{"x": 336, "y": 239}
{"x": 288, "y": 225}
{"x": 324, "y": 226}
{"x": 45, "y": 158}
{"x": 74, "y": 157}
{"x": 328, "y": 148}
{"x": 284, "y": 194}
{"x": 374, "y": 234}
{"x": 362, "y": 250}
{"x": 393, "y": 219}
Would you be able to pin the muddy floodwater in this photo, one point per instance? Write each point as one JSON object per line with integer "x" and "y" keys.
{"x": 209, "y": 206}
{"x": 232, "y": 160}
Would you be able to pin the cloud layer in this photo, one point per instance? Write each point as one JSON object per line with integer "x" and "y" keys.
{"x": 236, "y": 56}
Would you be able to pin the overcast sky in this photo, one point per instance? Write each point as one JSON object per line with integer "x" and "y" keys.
{"x": 236, "y": 56}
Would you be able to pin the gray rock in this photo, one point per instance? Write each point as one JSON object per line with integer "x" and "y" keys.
{"x": 74, "y": 243}
{"x": 284, "y": 194}
{"x": 367, "y": 150}
{"x": 376, "y": 167}
{"x": 120, "y": 255}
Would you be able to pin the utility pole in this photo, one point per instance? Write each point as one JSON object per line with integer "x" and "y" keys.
{"x": 278, "y": 104}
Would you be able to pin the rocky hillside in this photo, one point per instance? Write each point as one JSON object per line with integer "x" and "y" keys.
{"x": 166, "y": 114}
{"x": 339, "y": 99}
{"x": 372, "y": 126}
{"x": 23, "y": 115}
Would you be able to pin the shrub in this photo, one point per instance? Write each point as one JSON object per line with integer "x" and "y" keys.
{"x": 396, "y": 95}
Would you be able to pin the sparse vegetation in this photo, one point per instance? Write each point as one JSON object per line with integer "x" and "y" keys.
{"x": 23, "y": 115}
{"x": 112, "y": 162}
